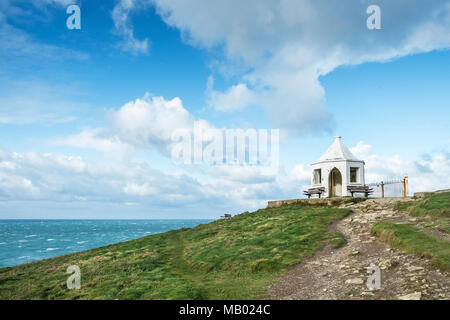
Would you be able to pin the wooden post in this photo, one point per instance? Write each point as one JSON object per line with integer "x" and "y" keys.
{"x": 405, "y": 186}
{"x": 382, "y": 189}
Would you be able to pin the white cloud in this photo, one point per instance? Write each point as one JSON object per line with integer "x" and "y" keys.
{"x": 243, "y": 174}
{"x": 361, "y": 150}
{"x": 12, "y": 185}
{"x": 287, "y": 45}
{"x": 150, "y": 123}
{"x": 150, "y": 120}
{"x": 71, "y": 179}
{"x": 147, "y": 123}
{"x": 236, "y": 97}
{"x": 124, "y": 29}
{"x": 428, "y": 174}
{"x": 96, "y": 139}
{"x": 139, "y": 190}
{"x": 59, "y": 178}
{"x": 8, "y": 165}
{"x": 300, "y": 173}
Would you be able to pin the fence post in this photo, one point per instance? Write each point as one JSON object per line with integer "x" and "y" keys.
{"x": 382, "y": 189}
{"x": 405, "y": 186}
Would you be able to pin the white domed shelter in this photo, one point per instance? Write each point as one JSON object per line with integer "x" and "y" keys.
{"x": 336, "y": 170}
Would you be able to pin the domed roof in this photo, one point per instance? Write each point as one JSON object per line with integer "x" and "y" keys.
{"x": 337, "y": 151}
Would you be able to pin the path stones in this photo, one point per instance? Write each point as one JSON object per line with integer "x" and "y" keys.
{"x": 385, "y": 264}
{"x": 414, "y": 269}
{"x": 354, "y": 281}
{"x": 367, "y": 294}
{"x": 411, "y": 296}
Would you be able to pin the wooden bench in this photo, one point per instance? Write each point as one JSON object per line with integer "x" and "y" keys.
{"x": 312, "y": 191}
{"x": 360, "y": 189}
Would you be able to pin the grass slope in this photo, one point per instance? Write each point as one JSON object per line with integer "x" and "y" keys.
{"x": 433, "y": 213}
{"x": 411, "y": 240}
{"x": 226, "y": 259}
{"x": 434, "y": 204}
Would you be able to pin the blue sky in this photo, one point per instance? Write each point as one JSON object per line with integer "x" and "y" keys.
{"x": 73, "y": 103}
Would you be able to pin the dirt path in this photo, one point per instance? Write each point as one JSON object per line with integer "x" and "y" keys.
{"x": 342, "y": 273}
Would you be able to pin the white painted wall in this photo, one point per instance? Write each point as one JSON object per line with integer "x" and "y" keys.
{"x": 344, "y": 167}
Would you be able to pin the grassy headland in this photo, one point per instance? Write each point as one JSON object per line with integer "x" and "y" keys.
{"x": 225, "y": 259}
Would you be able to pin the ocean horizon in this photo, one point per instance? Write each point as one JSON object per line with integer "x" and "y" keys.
{"x": 27, "y": 240}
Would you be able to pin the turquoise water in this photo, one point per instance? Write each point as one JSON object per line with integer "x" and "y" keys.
{"x": 23, "y": 241}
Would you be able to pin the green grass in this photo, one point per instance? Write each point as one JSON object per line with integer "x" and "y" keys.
{"x": 434, "y": 204}
{"x": 337, "y": 240}
{"x": 411, "y": 240}
{"x": 433, "y": 212}
{"x": 225, "y": 259}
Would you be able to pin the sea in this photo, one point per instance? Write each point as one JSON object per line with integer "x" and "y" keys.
{"x": 23, "y": 241}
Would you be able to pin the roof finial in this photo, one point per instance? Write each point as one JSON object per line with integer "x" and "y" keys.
{"x": 337, "y": 137}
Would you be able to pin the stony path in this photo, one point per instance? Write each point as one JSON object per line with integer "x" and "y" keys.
{"x": 342, "y": 273}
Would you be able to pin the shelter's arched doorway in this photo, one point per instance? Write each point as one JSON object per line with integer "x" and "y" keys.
{"x": 335, "y": 183}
